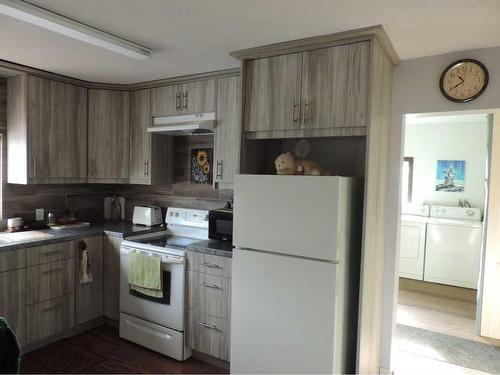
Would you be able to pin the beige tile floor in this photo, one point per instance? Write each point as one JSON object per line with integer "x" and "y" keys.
{"x": 434, "y": 312}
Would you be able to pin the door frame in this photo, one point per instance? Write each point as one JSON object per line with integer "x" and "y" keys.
{"x": 391, "y": 272}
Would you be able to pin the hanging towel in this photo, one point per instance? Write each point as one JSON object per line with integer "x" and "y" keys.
{"x": 144, "y": 274}
{"x": 10, "y": 351}
{"x": 85, "y": 268}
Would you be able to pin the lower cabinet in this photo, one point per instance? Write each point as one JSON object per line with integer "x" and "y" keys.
{"x": 50, "y": 317}
{"x": 209, "y": 304}
{"x": 111, "y": 278}
{"x": 13, "y": 299}
{"x": 89, "y": 296}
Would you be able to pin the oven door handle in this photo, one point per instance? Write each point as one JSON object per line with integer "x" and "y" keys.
{"x": 164, "y": 259}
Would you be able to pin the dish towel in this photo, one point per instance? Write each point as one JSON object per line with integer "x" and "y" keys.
{"x": 144, "y": 274}
{"x": 10, "y": 351}
{"x": 85, "y": 268}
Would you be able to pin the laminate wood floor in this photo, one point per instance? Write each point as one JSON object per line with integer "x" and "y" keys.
{"x": 101, "y": 350}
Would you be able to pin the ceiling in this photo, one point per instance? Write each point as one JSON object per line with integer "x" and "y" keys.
{"x": 194, "y": 36}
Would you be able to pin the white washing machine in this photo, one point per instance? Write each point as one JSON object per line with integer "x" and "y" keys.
{"x": 412, "y": 241}
{"x": 453, "y": 246}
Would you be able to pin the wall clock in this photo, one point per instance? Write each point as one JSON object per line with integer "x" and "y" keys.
{"x": 464, "y": 80}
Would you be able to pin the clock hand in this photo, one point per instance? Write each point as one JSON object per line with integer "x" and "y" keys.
{"x": 461, "y": 79}
{"x": 454, "y": 87}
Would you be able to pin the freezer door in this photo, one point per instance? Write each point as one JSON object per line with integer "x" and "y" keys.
{"x": 295, "y": 215}
{"x": 283, "y": 314}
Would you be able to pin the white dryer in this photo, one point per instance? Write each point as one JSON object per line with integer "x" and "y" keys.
{"x": 453, "y": 246}
{"x": 412, "y": 241}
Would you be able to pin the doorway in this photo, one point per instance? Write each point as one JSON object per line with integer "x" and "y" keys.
{"x": 444, "y": 196}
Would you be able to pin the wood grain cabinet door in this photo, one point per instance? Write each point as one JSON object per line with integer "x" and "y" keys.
{"x": 335, "y": 86}
{"x": 198, "y": 96}
{"x": 140, "y": 139}
{"x": 109, "y": 136}
{"x": 272, "y": 93}
{"x": 89, "y": 296}
{"x": 57, "y": 131}
{"x": 111, "y": 278}
{"x": 227, "y": 131}
{"x": 166, "y": 100}
{"x": 13, "y": 301}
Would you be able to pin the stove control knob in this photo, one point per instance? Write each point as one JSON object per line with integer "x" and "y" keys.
{"x": 206, "y": 217}
{"x": 176, "y": 214}
{"x": 171, "y": 214}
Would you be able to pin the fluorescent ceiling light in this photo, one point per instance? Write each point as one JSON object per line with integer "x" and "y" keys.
{"x": 51, "y": 21}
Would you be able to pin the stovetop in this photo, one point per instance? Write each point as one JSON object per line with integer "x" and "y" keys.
{"x": 169, "y": 241}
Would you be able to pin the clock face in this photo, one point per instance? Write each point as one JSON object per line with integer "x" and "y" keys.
{"x": 464, "y": 80}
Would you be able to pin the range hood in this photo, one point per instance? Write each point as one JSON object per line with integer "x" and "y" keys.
{"x": 199, "y": 123}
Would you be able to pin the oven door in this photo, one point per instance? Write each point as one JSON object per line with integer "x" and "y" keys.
{"x": 167, "y": 311}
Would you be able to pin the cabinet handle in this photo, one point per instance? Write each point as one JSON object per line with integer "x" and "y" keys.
{"x": 185, "y": 100}
{"x": 206, "y": 325}
{"x": 219, "y": 164}
{"x": 307, "y": 111}
{"x": 211, "y": 265}
{"x": 178, "y": 101}
{"x": 50, "y": 272}
{"x": 294, "y": 117}
{"x": 53, "y": 308}
{"x": 51, "y": 252}
{"x": 211, "y": 286}
{"x": 146, "y": 168}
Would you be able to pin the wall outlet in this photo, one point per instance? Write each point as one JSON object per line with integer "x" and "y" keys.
{"x": 39, "y": 214}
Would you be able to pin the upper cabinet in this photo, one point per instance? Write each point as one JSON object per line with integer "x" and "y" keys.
{"x": 311, "y": 93}
{"x": 183, "y": 99}
{"x": 46, "y": 131}
{"x": 108, "y": 136}
{"x": 227, "y": 131}
{"x": 151, "y": 155}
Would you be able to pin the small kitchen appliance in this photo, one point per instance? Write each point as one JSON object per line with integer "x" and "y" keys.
{"x": 147, "y": 215}
{"x": 220, "y": 224}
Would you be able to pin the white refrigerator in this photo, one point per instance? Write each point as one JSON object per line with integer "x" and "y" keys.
{"x": 295, "y": 274}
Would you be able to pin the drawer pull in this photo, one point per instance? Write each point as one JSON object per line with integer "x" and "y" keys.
{"x": 206, "y": 325}
{"x": 211, "y": 265}
{"x": 53, "y": 308}
{"x": 212, "y": 286}
{"x": 50, "y": 252}
{"x": 50, "y": 272}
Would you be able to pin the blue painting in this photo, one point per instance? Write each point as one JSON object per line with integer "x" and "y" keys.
{"x": 450, "y": 176}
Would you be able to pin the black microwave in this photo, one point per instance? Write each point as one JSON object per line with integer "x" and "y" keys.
{"x": 220, "y": 224}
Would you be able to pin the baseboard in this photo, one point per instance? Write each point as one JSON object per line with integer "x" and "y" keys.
{"x": 64, "y": 334}
{"x": 211, "y": 360}
{"x": 111, "y": 322}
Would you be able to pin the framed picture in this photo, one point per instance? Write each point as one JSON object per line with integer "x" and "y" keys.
{"x": 450, "y": 176}
{"x": 201, "y": 165}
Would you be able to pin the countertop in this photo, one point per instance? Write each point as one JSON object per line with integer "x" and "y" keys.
{"x": 122, "y": 229}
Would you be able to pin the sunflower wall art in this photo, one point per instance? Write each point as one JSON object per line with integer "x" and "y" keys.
{"x": 201, "y": 166}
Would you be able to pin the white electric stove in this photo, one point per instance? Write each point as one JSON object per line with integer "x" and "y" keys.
{"x": 158, "y": 323}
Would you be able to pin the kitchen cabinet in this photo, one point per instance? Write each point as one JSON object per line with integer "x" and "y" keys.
{"x": 50, "y": 280}
{"x": 184, "y": 98}
{"x": 108, "y": 136}
{"x": 111, "y": 279}
{"x": 47, "y": 131}
{"x": 209, "y": 304}
{"x": 13, "y": 291}
{"x": 227, "y": 138}
{"x": 89, "y": 296}
{"x": 151, "y": 155}
{"x": 308, "y": 92}
{"x": 272, "y": 93}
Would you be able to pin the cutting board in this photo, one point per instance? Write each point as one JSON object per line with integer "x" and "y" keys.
{"x": 70, "y": 226}
{"x": 25, "y": 236}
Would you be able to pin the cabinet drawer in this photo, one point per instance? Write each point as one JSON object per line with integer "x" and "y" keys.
{"x": 12, "y": 260}
{"x": 50, "y": 317}
{"x": 211, "y": 264}
{"x": 208, "y": 334}
{"x": 209, "y": 294}
{"x": 51, "y": 253}
{"x": 51, "y": 280}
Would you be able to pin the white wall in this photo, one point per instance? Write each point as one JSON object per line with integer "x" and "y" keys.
{"x": 447, "y": 138}
{"x": 416, "y": 90}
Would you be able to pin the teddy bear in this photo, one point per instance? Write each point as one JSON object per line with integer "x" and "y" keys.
{"x": 286, "y": 164}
